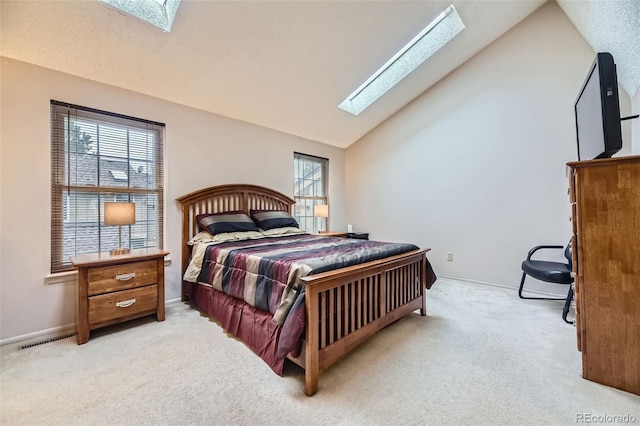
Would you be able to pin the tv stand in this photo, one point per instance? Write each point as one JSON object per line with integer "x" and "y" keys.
{"x": 606, "y": 263}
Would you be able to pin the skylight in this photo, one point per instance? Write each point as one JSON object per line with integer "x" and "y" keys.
{"x": 160, "y": 13}
{"x": 438, "y": 33}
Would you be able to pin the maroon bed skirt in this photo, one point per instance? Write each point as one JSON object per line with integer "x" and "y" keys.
{"x": 254, "y": 327}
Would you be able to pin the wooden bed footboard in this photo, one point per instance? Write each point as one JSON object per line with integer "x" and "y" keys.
{"x": 346, "y": 307}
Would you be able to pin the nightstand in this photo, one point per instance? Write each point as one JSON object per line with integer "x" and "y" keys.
{"x": 354, "y": 235}
{"x": 332, "y": 234}
{"x": 114, "y": 289}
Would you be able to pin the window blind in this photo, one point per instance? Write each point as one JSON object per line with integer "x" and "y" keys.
{"x": 310, "y": 188}
{"x": 96, "y": 157}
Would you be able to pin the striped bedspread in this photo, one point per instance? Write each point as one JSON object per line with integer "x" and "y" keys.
{"x": 266, "y": 272}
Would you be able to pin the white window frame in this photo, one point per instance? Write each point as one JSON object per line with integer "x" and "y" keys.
{"x": 310, "y": 188}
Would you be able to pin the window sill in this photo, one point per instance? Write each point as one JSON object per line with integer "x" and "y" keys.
{"x": 61, "y": 277}
{"x": 72, "y": 276}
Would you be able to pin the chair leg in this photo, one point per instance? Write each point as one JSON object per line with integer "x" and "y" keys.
{"x": 524, "y": 275}
{"x": 567, "y": 305}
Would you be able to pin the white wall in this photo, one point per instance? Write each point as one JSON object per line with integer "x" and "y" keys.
{"x": 476, "y": 165}
{"x": 202, "y": 149}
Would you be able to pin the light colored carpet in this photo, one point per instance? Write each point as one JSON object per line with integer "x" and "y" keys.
{"x": 481, "y": 357}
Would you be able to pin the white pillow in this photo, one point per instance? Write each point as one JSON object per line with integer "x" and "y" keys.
{"x": 205, "y": 237}
{"x": 287, "y": 230}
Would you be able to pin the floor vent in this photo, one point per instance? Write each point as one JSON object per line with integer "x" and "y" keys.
{"x": 53, "y": 339}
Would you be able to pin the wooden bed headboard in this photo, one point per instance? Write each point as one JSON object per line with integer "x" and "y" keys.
{"x": 222, "y": 198}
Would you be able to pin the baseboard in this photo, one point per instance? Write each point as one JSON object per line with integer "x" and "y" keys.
{"x": 29, "y": 338}
{"x": 52, "y": 333}
{"x": 539, "y": 293}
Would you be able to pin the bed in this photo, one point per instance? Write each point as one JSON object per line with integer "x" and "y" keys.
{"x": 337, "y": 309}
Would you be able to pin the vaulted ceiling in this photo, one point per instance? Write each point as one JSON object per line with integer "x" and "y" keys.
{"x": 284, "y": 65}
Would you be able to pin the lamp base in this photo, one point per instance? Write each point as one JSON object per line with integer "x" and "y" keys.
{"x": 121, "y": 250}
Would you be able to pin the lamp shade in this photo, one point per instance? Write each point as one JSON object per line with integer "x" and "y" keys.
{"x": 119, "y": 213}
{"x": 321, "y": 210}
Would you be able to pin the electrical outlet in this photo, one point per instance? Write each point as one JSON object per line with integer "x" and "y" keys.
{"x": 450, "y": 256}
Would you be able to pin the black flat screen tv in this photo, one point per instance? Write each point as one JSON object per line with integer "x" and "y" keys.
{"x": 597, "y": 111}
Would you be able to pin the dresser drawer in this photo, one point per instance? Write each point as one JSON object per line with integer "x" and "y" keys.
{"x": 126, "y": 303}
{"x": 107, "y": 279}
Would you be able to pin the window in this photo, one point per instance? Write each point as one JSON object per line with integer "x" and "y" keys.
{"x": 96, "y": 157}
{"x": 310, "y": 183}
{"x": 160, "y": 13}
{"x": 434, "y": 36}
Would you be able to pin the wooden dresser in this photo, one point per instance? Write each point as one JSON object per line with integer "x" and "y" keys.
{"x": 605, "y": 197}
{"x": 113, "y": 289}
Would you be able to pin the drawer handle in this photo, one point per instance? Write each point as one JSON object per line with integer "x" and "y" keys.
{"x": 125, "y": 277}
{"x": 125, "y": 303}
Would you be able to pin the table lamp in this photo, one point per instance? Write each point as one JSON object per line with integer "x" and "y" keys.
{"x": 321, "y": 210}
{"x": 119, "y": 214}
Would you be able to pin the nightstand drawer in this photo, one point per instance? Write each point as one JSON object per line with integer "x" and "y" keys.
{"x": 107, "y": 279}
{"x": 127, "y": 303}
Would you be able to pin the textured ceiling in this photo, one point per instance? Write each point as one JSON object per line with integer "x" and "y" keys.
{"x": 282, "y": 65}
{"x": 611, "y": 26}
{"x": 285, "y": 65}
